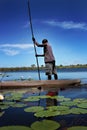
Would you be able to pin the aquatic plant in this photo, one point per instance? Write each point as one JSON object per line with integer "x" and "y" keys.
{"x": 1, "y": 113}
{"x": 15, "y": 128}
{"x": 46, "y": 113}
{"x": 18, "y": 105}
{"x": 78, "y": 111}
{"x": 32, "y": 98}
{"x": 45, "y": 125}
{"x": 14, "y": 96}
{"x": 68, "y": 103}
{"x": 38, "y": 125}
{"x": 80, "y": 100}
{"x": 82, "y": 105}
{"x": 4, "y": 106}
{"x": 60, "y": 98}
{"x": 61, "y": 108}
{"x": 78, "y": 128}
{"x": 33, "y": 109}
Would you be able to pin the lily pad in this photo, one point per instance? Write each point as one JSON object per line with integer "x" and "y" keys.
{"x": 14, "y": 97}
{"x": 15, "y": 128}
{"x": 82, "y": 105}
{"x": 68, "y": 103}
{"x": 59, "y": 108}
{"x": 45, "y": 125}
{"x": 66, "y": 112}
{"x": 8, "y": 103}
{"x": 1, "y": 113}
{"x": 63, "y": 99}
{"x": 78, "y": 128}
{"x": 2, "y": 107}
{"x": 80, "y": 100}
{"x": 46, "y": 113}
{"x": 78, "y": 111}
{"x": 33, "y": 109}
{"x": 57, "y": 97}
{"x": 44, "y": 96}
{"x": 18, "y": 105}
{"x": 32, "y": 98}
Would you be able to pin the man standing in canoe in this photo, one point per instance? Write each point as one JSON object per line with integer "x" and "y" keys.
{"x": 49, "y": 58}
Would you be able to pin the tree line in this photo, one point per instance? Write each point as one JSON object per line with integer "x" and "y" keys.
{"x": 42, "y": 67}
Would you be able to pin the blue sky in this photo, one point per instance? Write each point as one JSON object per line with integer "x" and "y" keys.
{"x": 62, "y": 22}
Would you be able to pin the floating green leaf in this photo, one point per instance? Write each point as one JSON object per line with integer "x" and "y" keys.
{"x": 33, "y": 109}
{"x": 45, "y": 125}
{"x": 68, "y": 103}
{"x": 18, "y": 105}
{"x": 1, "y": 113}
{"x": 65, "y": 112}
{"x": 44, "y": 96}
{"x": 59, "y": 108}
{"x": 8, "y": 103}
{"x": 82, "y": 105}
{"x": 78, "y": 128}
{"x": 15, "y": 97}
{"x": 46, "y": 113}
{"x": 63, "y": 99}
{"x": 15, "y": 128}
{"x": 80, "y": 100}
{"x": 58, "y": 97}
{"x": 78, "y": 111}
{"x": 32, "y": 98}
{"x": 2, "y": 107}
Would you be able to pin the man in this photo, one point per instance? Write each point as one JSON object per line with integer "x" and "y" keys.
{"x": 48, "y": 58}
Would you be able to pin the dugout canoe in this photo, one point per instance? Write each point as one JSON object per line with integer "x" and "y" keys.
{"x": 38, "y": 83}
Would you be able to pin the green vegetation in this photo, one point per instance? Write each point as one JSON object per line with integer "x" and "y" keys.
{"x": 38, "y": 125}
{"x": 34, "y": 67}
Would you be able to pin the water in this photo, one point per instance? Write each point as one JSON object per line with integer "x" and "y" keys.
{"x": 66, "y": 107}
{"x": 69, "y": 74}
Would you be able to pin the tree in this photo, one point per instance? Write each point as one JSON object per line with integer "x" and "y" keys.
{"x": 33, "y": 65}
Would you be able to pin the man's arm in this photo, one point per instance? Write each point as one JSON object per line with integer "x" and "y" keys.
{"x": 39, "y": 45}
{"x": 36, "y": 43}
{"x": 37, "y": 55}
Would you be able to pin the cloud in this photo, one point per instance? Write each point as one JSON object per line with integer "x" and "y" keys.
{"x": 10, "y": 52}
{"x": 20, "y": 46}
{"x": 67, "y": 24}
{"x": 14, "y": 49}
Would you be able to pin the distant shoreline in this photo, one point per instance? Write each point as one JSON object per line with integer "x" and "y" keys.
{"x": 42, "y": 68}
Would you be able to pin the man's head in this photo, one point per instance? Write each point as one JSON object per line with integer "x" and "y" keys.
{"x": 44, "y": 41}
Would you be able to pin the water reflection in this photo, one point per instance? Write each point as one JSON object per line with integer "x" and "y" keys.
{"x": 50, "y": 101}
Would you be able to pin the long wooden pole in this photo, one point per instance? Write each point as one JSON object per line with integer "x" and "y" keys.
{"x": 33, "y": 36}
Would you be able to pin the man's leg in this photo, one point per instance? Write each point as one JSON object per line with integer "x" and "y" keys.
{"x": 55, "y": 76}
{"x": 54, "y": 71}
{"x": 49, "y": 77}
{"x": 49, "y": 70}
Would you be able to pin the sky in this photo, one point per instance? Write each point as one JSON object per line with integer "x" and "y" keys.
{"x": 62, "y": 22}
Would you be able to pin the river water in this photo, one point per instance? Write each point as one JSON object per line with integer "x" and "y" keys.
{"x": 62, "y": 74}
{"x": 49, "y": 109}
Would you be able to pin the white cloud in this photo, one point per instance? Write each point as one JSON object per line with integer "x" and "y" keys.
{"x": 14, "y": 49}
{"x": 10, "y": 52}
{"x": 67, "y": 24}
{"x": 20, "y": 46}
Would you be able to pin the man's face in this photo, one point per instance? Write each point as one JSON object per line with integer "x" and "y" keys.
{"x": 45, "y": 43}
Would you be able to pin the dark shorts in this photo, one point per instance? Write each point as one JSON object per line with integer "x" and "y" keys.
{"x": 50, "y": 69}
